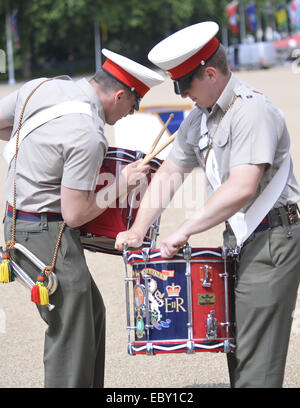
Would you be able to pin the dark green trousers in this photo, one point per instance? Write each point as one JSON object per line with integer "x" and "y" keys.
{"x": 74, "y": 351}
{"x": 268, "y": 273}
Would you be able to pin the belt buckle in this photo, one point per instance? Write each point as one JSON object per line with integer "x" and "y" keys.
{"x": 292, "y": 213}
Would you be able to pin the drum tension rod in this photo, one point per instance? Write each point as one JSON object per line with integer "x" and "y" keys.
{"x": 145, "y": 252}
{"x": 125, "y": 258}
{"x": 187, "y": 252}
{"x": 187, "y": 255}
{"x": 147, "y": 278}
{"x": 125, "y": 253}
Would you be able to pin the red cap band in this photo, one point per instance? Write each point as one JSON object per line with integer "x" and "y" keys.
{"x": 191, "y": 63}
{"x": 124, "y": 76}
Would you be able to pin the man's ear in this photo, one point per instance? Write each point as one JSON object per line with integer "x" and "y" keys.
{"x": 119, "y": 95}
{"x": 211, "y": 72}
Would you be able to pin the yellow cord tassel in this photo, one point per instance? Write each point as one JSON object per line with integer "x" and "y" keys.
{"x": 5, "y": 271}
{"x": 5, "y": 268}
{"x": 39, "y": 294}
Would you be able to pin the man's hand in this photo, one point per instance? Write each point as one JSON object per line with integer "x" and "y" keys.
{"x": 131, "y": 237}
{"x": 172, "y": 244}
{"x": 133, "y": 174}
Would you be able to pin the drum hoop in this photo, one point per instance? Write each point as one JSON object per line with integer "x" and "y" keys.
{"x": 116, "y": 150}
{"x": 156, "y": 257}
{"x": 152, "y": 167}
{"x": 158, "y": 162}
{"x": 140, "y": 348}
{"x": 176, "y": 261}
{"x": 183, "y": 341}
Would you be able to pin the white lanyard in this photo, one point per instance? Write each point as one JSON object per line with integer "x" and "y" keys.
{"x": 42, "y": 117}
{"x": 243, "y": 224}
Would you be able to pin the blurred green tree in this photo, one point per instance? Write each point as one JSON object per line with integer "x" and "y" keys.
{"x": 59, "y": 34}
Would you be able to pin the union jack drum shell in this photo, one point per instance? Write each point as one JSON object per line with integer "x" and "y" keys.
{"x": 182, "y": 304}
{"x": 99, "y": 234}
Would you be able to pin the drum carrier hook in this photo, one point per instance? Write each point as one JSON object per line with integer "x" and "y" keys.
{"x": 187, "y": 254}
{"x": 127, "y": 280}
{"x": 148, "y": 326}
{"x": 225, "y": 275}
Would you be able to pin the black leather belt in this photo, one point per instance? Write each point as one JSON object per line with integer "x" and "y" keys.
{"x": 274, "y": 218}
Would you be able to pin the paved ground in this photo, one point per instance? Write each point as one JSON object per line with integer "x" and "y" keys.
{"x": 21, "y": 329}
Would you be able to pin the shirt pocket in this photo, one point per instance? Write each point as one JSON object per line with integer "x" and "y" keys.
{"x": 222, "y": 137}
{"x": 193, "y": 136}
{"x": 221, "y": 147}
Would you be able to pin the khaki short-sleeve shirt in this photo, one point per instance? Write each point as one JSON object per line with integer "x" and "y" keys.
{"x": 68, "y": 150}
{"x": 252, "y": 131}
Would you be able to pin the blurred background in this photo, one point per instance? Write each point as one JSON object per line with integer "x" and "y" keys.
{"x": 53, "y": 37}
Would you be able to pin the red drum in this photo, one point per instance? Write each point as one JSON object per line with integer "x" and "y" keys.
{"x": 99, "y": 234}
{"x": 182, "y": 304}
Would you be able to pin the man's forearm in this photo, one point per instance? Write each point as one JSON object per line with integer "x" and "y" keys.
{"x": 158, "y": 195}
{"x": 228, "y": 199}
{"x": 80, "y": 207}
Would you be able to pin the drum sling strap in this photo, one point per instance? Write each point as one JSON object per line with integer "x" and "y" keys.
{"x": 39, "y": 293}
{"x": 243, "y": 224}
{"x": 42, "y": 117}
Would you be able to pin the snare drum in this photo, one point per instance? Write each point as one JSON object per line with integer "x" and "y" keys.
{"x": 182, "y": 304}
{"x": 99, "y": 234}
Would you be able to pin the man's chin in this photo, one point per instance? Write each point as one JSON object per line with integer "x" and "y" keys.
{"x": 111, "y": 122}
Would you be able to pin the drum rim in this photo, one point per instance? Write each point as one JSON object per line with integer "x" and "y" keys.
{"x": 161, "y": 261}
{"x": 153, "y": 164}
{"x": 184, "y": 341}
{"x": 180, "y": 347}
{"x": 131, "y": 154}
{"x": 197, "y": 254}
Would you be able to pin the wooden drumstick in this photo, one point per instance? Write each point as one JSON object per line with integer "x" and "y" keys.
{"x": 160, "y": 135}
{"x": 149, "y": 157}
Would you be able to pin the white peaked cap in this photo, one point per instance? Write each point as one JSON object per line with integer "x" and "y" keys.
{"x": 137, "y": 77}
{"x": 186, "y": 49}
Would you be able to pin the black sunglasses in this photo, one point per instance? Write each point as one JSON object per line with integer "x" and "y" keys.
{"x": 182, "y": 84}
{"x": 138, "y": 100}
